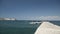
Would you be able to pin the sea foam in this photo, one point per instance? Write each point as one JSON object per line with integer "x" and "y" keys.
{"x": 48, "y": 28}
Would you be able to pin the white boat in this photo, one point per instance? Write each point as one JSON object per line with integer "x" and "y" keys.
{"x": 48, "y": 28}
{"x": 34, "y": 22}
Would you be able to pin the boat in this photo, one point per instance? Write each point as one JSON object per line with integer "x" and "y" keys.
{"x": 34, "y": 22}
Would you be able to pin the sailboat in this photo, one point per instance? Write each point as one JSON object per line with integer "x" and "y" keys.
{"x": 48, "y": 28}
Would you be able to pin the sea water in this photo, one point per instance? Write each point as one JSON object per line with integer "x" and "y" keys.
{"x": 20, "y": 26}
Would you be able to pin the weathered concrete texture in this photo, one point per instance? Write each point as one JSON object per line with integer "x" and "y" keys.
{"x": 48, "y": 28}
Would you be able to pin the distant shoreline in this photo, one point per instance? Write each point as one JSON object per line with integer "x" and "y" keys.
{"x": 7, "y": 19}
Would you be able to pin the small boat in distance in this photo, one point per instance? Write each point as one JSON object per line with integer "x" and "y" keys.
{"x": 34, "y": 22}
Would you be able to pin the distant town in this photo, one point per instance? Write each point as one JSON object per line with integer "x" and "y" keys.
{"x": 7, "y": 18}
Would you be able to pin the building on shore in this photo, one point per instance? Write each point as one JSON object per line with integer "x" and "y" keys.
{"x": 7, "y": 19}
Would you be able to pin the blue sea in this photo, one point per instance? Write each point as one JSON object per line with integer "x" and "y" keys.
{"x": 20, "y": 26}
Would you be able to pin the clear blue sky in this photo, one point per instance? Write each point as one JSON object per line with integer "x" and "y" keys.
{"x": 25, "y": 9}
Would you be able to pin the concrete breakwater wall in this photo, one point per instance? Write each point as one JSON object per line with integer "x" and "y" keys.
{"x": 48, "y": 28}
